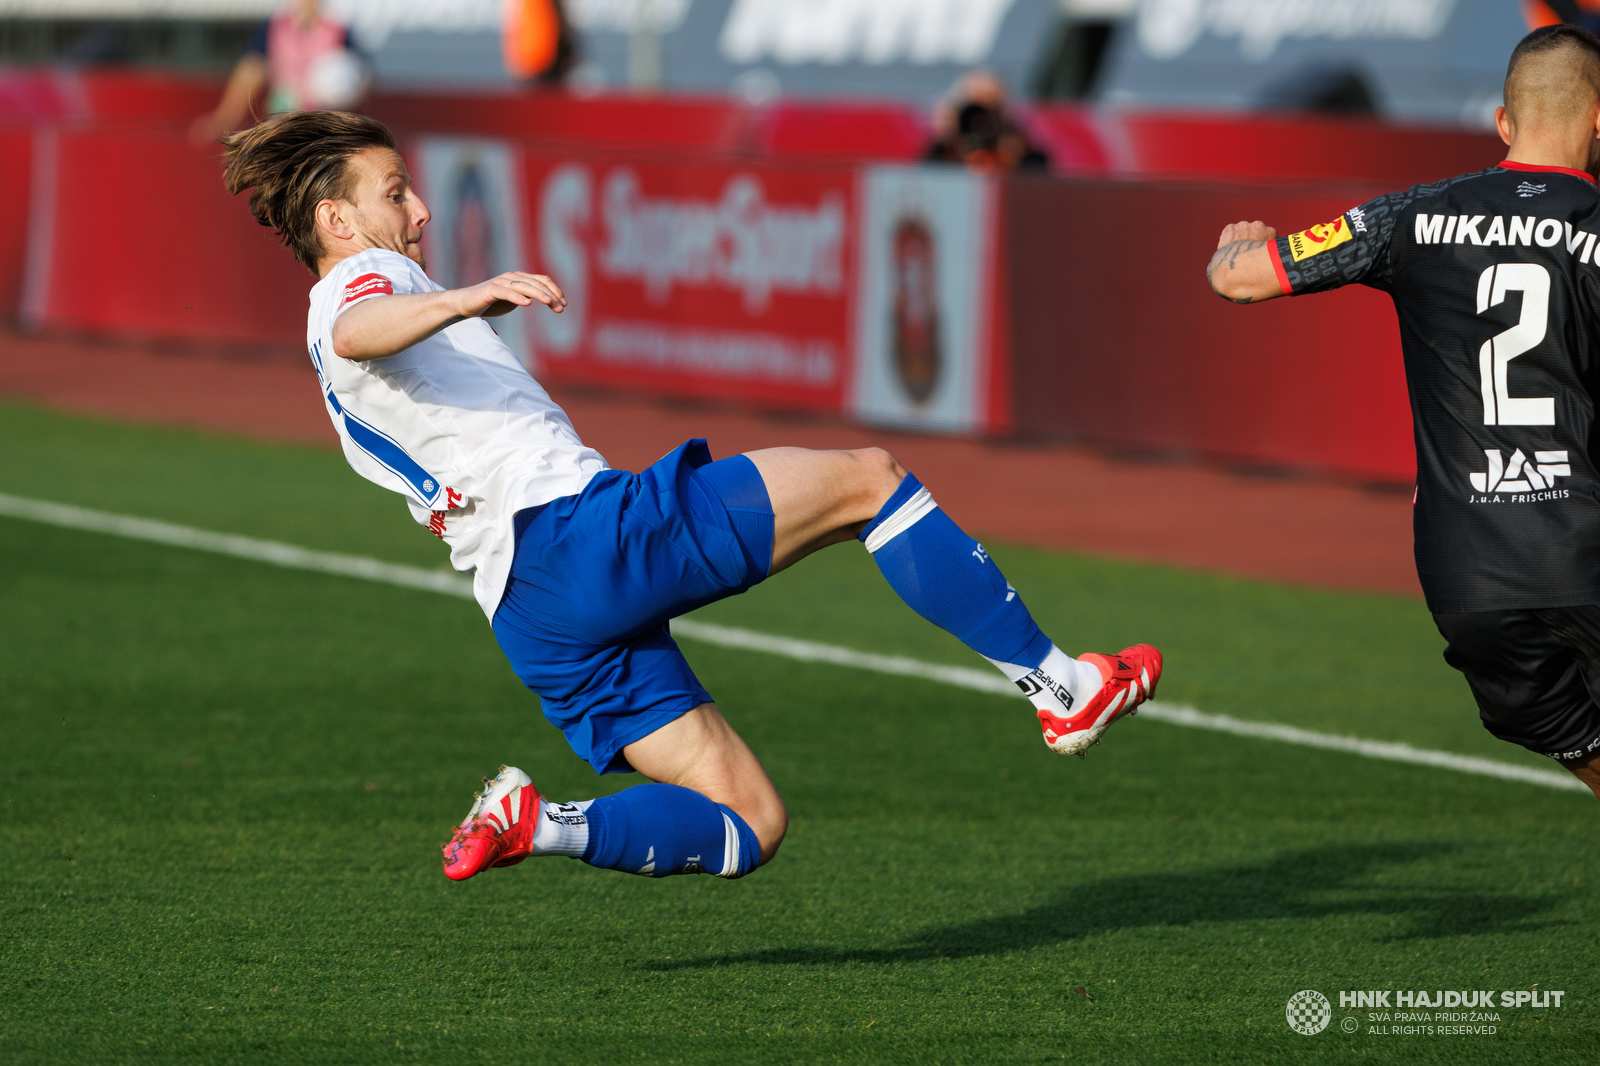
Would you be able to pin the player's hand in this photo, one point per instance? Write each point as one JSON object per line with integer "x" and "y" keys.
{"x": 207, "y": 130}
{"x": 509, "y": 291}
{"x": 1246, "y": 231}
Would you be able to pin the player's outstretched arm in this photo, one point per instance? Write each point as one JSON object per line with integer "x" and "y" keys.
{"x": 386, "y": 325}
{"x": 1242, "y": 270}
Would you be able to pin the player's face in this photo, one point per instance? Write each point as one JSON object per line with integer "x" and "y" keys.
{"x": 389, "y": 213}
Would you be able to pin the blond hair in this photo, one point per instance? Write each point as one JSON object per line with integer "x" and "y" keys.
{"x": 294, "y": 161}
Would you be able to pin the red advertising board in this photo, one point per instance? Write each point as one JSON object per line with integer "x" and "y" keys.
{"x": 708, "y": 280}
{"x": 1117, "y": 339}
{"x": 16, "y": 185}
{"x": 133, "y": 233}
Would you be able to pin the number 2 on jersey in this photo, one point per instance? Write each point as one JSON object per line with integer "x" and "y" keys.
{"x": 1533, "y": 281}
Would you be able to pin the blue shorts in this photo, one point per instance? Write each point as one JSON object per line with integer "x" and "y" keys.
{"x": 597, "y": 576}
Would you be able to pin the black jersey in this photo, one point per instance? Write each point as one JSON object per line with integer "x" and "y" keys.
{"x": 1495, "y": 277}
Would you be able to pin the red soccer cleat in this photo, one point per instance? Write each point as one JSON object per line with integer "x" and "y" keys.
{"x": 498, "y": 831}
{"x": 1130, "y": 678}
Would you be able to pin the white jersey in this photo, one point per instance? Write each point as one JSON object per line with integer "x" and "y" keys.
{"x": 455, "y": 424}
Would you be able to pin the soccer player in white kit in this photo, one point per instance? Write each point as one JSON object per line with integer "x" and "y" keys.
{"x": 580, "y": 567}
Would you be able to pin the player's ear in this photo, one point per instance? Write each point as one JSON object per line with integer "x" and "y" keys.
{"x": 1502, "y": 122}
{"x": 332, "y": 218}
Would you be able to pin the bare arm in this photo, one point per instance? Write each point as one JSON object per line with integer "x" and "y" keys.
{"x": 248, "y": 81}
{"x": 1242, "y": 269}
{"x": 390, "y": 324}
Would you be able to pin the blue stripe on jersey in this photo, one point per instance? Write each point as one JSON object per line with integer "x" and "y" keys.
{"x": 388, "y": 452}
{"x": 322, "y": 379}
{"x": 379, "y": 445}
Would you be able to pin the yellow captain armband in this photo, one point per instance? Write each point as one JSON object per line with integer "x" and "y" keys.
{"x": 1319, "y": 238}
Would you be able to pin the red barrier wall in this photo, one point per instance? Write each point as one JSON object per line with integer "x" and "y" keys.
{"x": 121, "y": 95}
{"x": 145, "y": 241}
{"x": 841, "y": 131}
{"x": 1304, "y": 148}
{"x": 1256, "y": 148}
{"x": 1080, "y": 139}
{"x": 16, "y": 148}
{"x": 103, "y": 94}
{"x": 1117, "y": 338}
{"x": 712, "y": 125}
{"x": 651, "y": 122}
{"x": 32, "y": 94}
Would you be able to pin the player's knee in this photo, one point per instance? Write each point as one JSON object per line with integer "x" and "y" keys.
{"x": 772, "y": 831}
{"x": 882, "y": 464}
{"x": 768, "y": 819}
{"x": 881, "y": 474}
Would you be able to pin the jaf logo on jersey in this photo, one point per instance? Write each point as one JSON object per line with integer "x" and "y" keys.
{"x": 367, "y": 285}
{"x": 1520, "y": 475}
{"x": 1307, "y": 243}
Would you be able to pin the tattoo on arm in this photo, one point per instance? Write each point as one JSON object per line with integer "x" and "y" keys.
{"x": 1228, "y": 255}
{"x": 1236, "y": 247}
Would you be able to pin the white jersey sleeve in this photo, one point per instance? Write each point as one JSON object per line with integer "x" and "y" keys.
{"x": 455, "y": 423}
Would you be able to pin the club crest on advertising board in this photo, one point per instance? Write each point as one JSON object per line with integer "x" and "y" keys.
{"x": 918, "y": 358}
{"x": 472, "y": 241}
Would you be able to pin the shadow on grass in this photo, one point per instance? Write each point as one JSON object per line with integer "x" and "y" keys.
{"x": 1314, "y": 883}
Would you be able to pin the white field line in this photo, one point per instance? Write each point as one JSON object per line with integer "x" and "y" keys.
{"x": 265, "y": 551}
{"x": 1176, "y": 714}
{"x": 297, "y": 558}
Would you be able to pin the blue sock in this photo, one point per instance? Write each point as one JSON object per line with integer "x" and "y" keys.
{"x": 657, "y": 830}
{"x": 946, "y": 577}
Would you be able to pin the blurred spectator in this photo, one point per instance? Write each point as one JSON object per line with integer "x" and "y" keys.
{"x": 1585, "y": 13}
{"x": 1328, "y": 90}
{"x": 300, "y": 59}
{"x": 537, "y": 41}
{"x": 971, "y": 127}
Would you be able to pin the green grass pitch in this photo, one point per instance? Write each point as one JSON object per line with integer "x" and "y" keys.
{"x": 224, "y": 787}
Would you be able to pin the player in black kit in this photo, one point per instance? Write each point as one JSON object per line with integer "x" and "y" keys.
{"x": 1496, "y": 279}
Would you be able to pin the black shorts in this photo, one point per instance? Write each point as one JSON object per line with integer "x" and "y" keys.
{"x": 1535, "y": 674}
